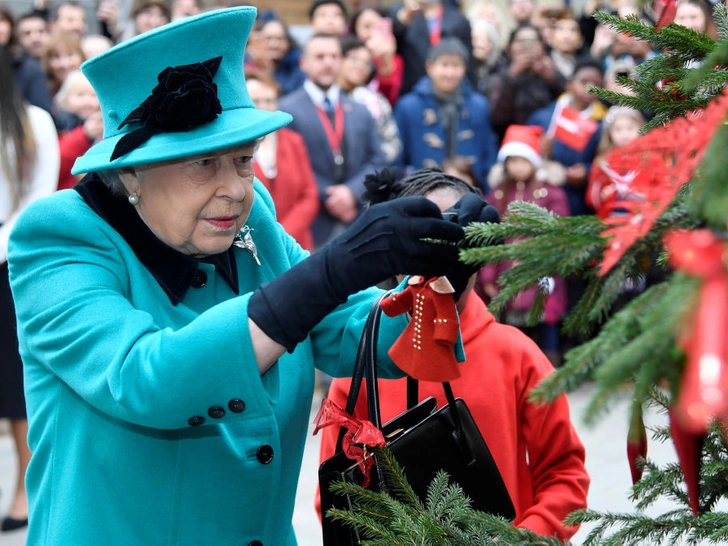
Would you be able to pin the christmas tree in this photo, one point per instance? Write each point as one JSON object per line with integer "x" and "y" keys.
{"x": 667, "y": 346}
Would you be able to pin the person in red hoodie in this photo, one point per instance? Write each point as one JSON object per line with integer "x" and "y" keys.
{"x": 281, "y": 163}
{"x": 535, "y": 446}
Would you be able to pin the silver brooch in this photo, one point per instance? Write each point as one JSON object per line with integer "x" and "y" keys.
{"x": 245, "y": 240}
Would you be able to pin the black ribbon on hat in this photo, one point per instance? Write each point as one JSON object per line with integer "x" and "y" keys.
{"x": 184, "y": 99}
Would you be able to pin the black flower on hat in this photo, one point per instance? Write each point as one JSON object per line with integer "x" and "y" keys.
{"x": 184, "y": 99}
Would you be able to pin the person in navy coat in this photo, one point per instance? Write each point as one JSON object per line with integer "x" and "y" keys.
{"x": 341, "y": 136}
{"x": 444, "y": 117}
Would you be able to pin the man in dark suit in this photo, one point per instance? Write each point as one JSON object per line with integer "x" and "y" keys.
{"x": 341, "y": 137}
{"x": 420, "y": 24}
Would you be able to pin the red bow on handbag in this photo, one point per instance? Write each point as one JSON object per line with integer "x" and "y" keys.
{"x": 360, "y": 435}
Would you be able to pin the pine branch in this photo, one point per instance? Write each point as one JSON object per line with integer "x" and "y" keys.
{"x": 679, "y": 40}
{"x": 446, "y": 519}
{"x": 581, "y": 361}
{"x": 720, "y": 16}
{"x": 651, "y": 354}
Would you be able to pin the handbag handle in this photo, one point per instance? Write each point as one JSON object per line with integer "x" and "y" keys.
{"x": 365, "y": 366}
{"x": 358, "y": 372}
{"x": 370, "y": 358}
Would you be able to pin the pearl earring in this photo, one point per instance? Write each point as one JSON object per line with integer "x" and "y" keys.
{"x": 133, "y": 198}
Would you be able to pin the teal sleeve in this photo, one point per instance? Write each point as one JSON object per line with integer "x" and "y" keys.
{"x": 77, "y": 290}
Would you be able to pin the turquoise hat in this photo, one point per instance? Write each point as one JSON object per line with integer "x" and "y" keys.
{"x": 175, "y": 92}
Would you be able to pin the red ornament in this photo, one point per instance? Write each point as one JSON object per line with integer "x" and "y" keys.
{"x": 665, "y": 11}
{"x": 359, "y": 435}
{"x": 688, "y": 447}
{"x": 425, "y": 349}
{"x": 703, "y": 392}
{"x": 661, "y": 162}
{"x": 636, "y": 444}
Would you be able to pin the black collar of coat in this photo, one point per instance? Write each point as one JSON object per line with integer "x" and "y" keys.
{"x": 173, "y": 270}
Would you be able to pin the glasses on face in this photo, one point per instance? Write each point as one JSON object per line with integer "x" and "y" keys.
{"x": 264, "y": 102}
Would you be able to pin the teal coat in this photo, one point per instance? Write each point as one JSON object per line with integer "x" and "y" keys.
{"x": 115, "y": 375}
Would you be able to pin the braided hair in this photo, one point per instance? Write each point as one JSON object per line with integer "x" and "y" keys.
{"x": 389, "y": 184}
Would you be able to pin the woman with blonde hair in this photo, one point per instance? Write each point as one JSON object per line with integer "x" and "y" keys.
{"x": 62, "y": 56}
{"x": 28, "y": 170}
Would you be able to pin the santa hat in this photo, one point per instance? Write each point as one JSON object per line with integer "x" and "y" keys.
{"x": 522, "y": 141}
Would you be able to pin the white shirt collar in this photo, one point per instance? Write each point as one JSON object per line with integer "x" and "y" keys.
{"x": 317, "y": 94}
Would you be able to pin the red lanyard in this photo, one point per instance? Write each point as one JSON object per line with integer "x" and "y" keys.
{"x": 436, "y": 27}
{"x": 335, "y": 135}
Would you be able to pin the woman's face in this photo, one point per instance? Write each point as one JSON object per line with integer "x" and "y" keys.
{"x": 690, "y": 16}
{"x": 624, "y": 130}
{"x": 62, "y": 62}
{"x": 527, "y": 42}
{"x": 263, "y": 96}
{"x": 82, "y": 99}
{"x": 150, "y": 18}
{"x": 356, "y": 67}
{"x": 6, "y": 31}
{"x": 197, "y": 205}
{"x": 276, "y": 40}
{"x": 366, "y": 24}
{"x": 566, "y": 36}
{"x": 481, "y": 44}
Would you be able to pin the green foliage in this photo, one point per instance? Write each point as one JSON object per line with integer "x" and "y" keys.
{"x": 678, "y": 525}
{"x": 673, "y": 83}
{"x": 636, "y": 348}
{"x": 398, "y": 518}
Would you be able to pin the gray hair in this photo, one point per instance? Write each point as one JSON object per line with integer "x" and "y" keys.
{"x": 112, "y": 180}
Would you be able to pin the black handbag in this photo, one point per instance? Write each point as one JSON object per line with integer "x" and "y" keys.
{"x": 423, "y": 440}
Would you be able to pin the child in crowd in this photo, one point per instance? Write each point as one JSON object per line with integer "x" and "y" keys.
{"x": 521, "y": 174}
{"x": 606, "y": 187}
{"x": 444, "y": 117}
{"x": 460, "y": 167}
{"x": 572, "y": 127}
{"x": 79, "y": 112}
{"x": 696, "y": 15}
{"x": 328, "y": 17}
{"x": 535, "y": 446}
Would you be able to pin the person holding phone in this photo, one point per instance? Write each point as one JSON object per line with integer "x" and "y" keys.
{"x": 525, "y": 81}
{"x": 372, "y": 25}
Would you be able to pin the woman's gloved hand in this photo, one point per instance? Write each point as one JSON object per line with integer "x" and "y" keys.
{"x": 470, "y": 208}
{"x": 405, "y": 236}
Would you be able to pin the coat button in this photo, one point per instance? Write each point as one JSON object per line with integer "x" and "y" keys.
{"x": 264, "y": 454}
{"x": 216, "y": 412}
{"x": 256, "y": 543}
{"x": 200, "y": 279}
{"x": 196, "y": 421}
{"x": 236, "y": 405}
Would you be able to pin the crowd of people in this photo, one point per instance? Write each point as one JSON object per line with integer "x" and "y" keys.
{"x": 494, "y": 94}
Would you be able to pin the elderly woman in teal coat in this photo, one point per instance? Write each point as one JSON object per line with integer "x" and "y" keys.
{"x": 169, "y": 327}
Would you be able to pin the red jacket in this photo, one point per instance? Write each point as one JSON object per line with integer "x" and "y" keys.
{"x": 389, "y": 86}
{"x": 535, "y": 447}
{"x": 73, "y": 145}
{"x": 294, "y": 189}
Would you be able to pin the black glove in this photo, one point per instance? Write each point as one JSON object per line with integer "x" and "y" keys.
{"x": 405, "y": 236}
{"x": 470, "y": 208}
